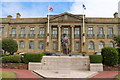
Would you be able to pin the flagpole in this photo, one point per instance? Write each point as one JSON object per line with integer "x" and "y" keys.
{"x": 48, "y": 26}
{"x": 83, "y": 26}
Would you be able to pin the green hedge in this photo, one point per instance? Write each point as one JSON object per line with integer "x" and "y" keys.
{"x": 12, "y": 59}
{"x": 118, "y": 55}
{"x": 110, "y": 56}
{"x": 95, "y": 58}
{"x": 32, "y": 57}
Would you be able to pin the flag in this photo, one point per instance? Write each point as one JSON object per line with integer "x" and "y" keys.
{"x": 84, "y": 7}
{"x": 50, "y": 8}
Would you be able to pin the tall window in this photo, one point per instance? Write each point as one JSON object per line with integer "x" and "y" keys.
{"x": 22, "y": 46}
{"x": 32, "y": 30}
{"x": 66, "y": 31}
{"x": 31, "y": 45}
{"x": 13, "y": 31}
{"x": 111, "y": 44}
{"x": 110, "y": 31}
{"x": 101, "y": 30}
{"x": 22, "y": 31}
{"x": 54, "y": 32}
{"x": 91, "y": 45}
{"x": 77, "y": 32}
{"x": 41, "y": 45}
{"x": 119, "y": 31}
{"x": 42, "y": 30}
{"x": 101, "y": 45}
{"x": 77, "y": 46}
{"x": 1, "y": 30}
{"x": 54, "y": 45}
{"x": 90, "y": 30}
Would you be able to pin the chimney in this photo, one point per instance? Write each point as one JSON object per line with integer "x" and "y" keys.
{"x": 116, "y": 15}
{"x": 18, "y": 15}
{"x": 9, "y": 17}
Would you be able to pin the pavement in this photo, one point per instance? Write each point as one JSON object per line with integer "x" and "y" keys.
{"x": 29, "y": 75}
{"x": 65, "y": 73}
{"x": 23, "y": 74}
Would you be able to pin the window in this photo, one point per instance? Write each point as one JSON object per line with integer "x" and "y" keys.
{"x": 77, "y": 46}
{"x": 101, "y": 30}
{"x": 54, "y": 32}
{"x": 110, "y": 31}
{"x": 91, "y": 45}
{"x": 54, "y": 45}
{"x": 101, "y": 45}
{"x": 31, "y": 30}
{"x": 22, "y": 30}
{"x": 77, "y": 32}
{"x": 119, "y": 31}
{"x": 90, "y": 30}
{"x": 111, "y": 44}
{"x": 41, "y": 45}
{"x": 66, "y": 31}
{"x": 42, "y": 30}
{"x": 31, "y": 45}
{"x": 1, "y": 30}
{"x": 22, "y": 45}
{"x": 13, "y": 31}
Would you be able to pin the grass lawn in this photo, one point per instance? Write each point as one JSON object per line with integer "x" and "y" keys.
{"x": 118, "y": 77}
{"x": 7, "y": 75}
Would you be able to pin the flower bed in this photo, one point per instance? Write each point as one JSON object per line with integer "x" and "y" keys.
{"x": 109, "y": 68}
{"x": 15, "y": 65}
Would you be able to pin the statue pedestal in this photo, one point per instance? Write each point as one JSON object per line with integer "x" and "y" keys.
{"x": 65, "y": 63}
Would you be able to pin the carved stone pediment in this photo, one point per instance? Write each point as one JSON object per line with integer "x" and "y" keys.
{"x": 66, "y": 17}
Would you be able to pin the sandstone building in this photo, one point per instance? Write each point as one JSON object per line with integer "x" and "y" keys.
{"x": 34, "y": 35}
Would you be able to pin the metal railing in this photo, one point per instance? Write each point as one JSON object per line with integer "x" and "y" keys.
{"x": 41, "y": 35}
{"x": 54, "y": 35}
{"x": 13, "y": 35}
{"x": 110, "y": 36}
{"x": 101, "y": 36}
{"x": 31, "y": 35}
{"x": 90, "y": 35}
{"x": 22, "y": 35}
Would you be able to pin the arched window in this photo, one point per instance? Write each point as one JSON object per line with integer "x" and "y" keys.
{"x": 101, "y": 45}
{"x": 111, "y": 44}
{"x": 91, "y": 45}
{"x": 31, "y": 45}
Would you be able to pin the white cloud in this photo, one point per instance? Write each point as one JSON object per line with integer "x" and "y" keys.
{"x": 96, "y": 8}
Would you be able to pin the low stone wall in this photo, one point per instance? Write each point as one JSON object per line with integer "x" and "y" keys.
{"x": 96, "y": 67}
{"x": 62, "y": 63}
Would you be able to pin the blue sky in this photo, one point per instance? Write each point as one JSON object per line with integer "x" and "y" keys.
{"x": 30, "y": 9}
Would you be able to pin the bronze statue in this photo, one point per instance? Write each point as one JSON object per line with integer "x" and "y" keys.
{"x": 65, "y": 44}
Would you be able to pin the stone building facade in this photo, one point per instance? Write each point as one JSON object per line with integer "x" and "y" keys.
{"x": 34, "y": 35}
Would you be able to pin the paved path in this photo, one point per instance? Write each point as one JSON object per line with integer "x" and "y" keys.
{"x": 29, "y": 75}
{"x": 106, "y": 75}
{"x": 23, "y": 74}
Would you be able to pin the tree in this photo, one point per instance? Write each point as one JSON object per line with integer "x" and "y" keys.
{"x": 110, "y": 56}
{"x": 117, "y": 40}
{"x": 9, "y": 45}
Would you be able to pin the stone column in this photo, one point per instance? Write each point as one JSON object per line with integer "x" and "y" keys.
{"x": 59, "y": 38}
{"x": 72, "y": 38}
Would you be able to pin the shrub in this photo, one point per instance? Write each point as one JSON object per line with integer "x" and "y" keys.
{"x": 9, "y": 45}
{"x": 12, "y": 59}
{"x": 95, "y": 58}
{"x": 32, "y": 57}
{"x": 110, "y": 56}
{"x": 118, "y": 49}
